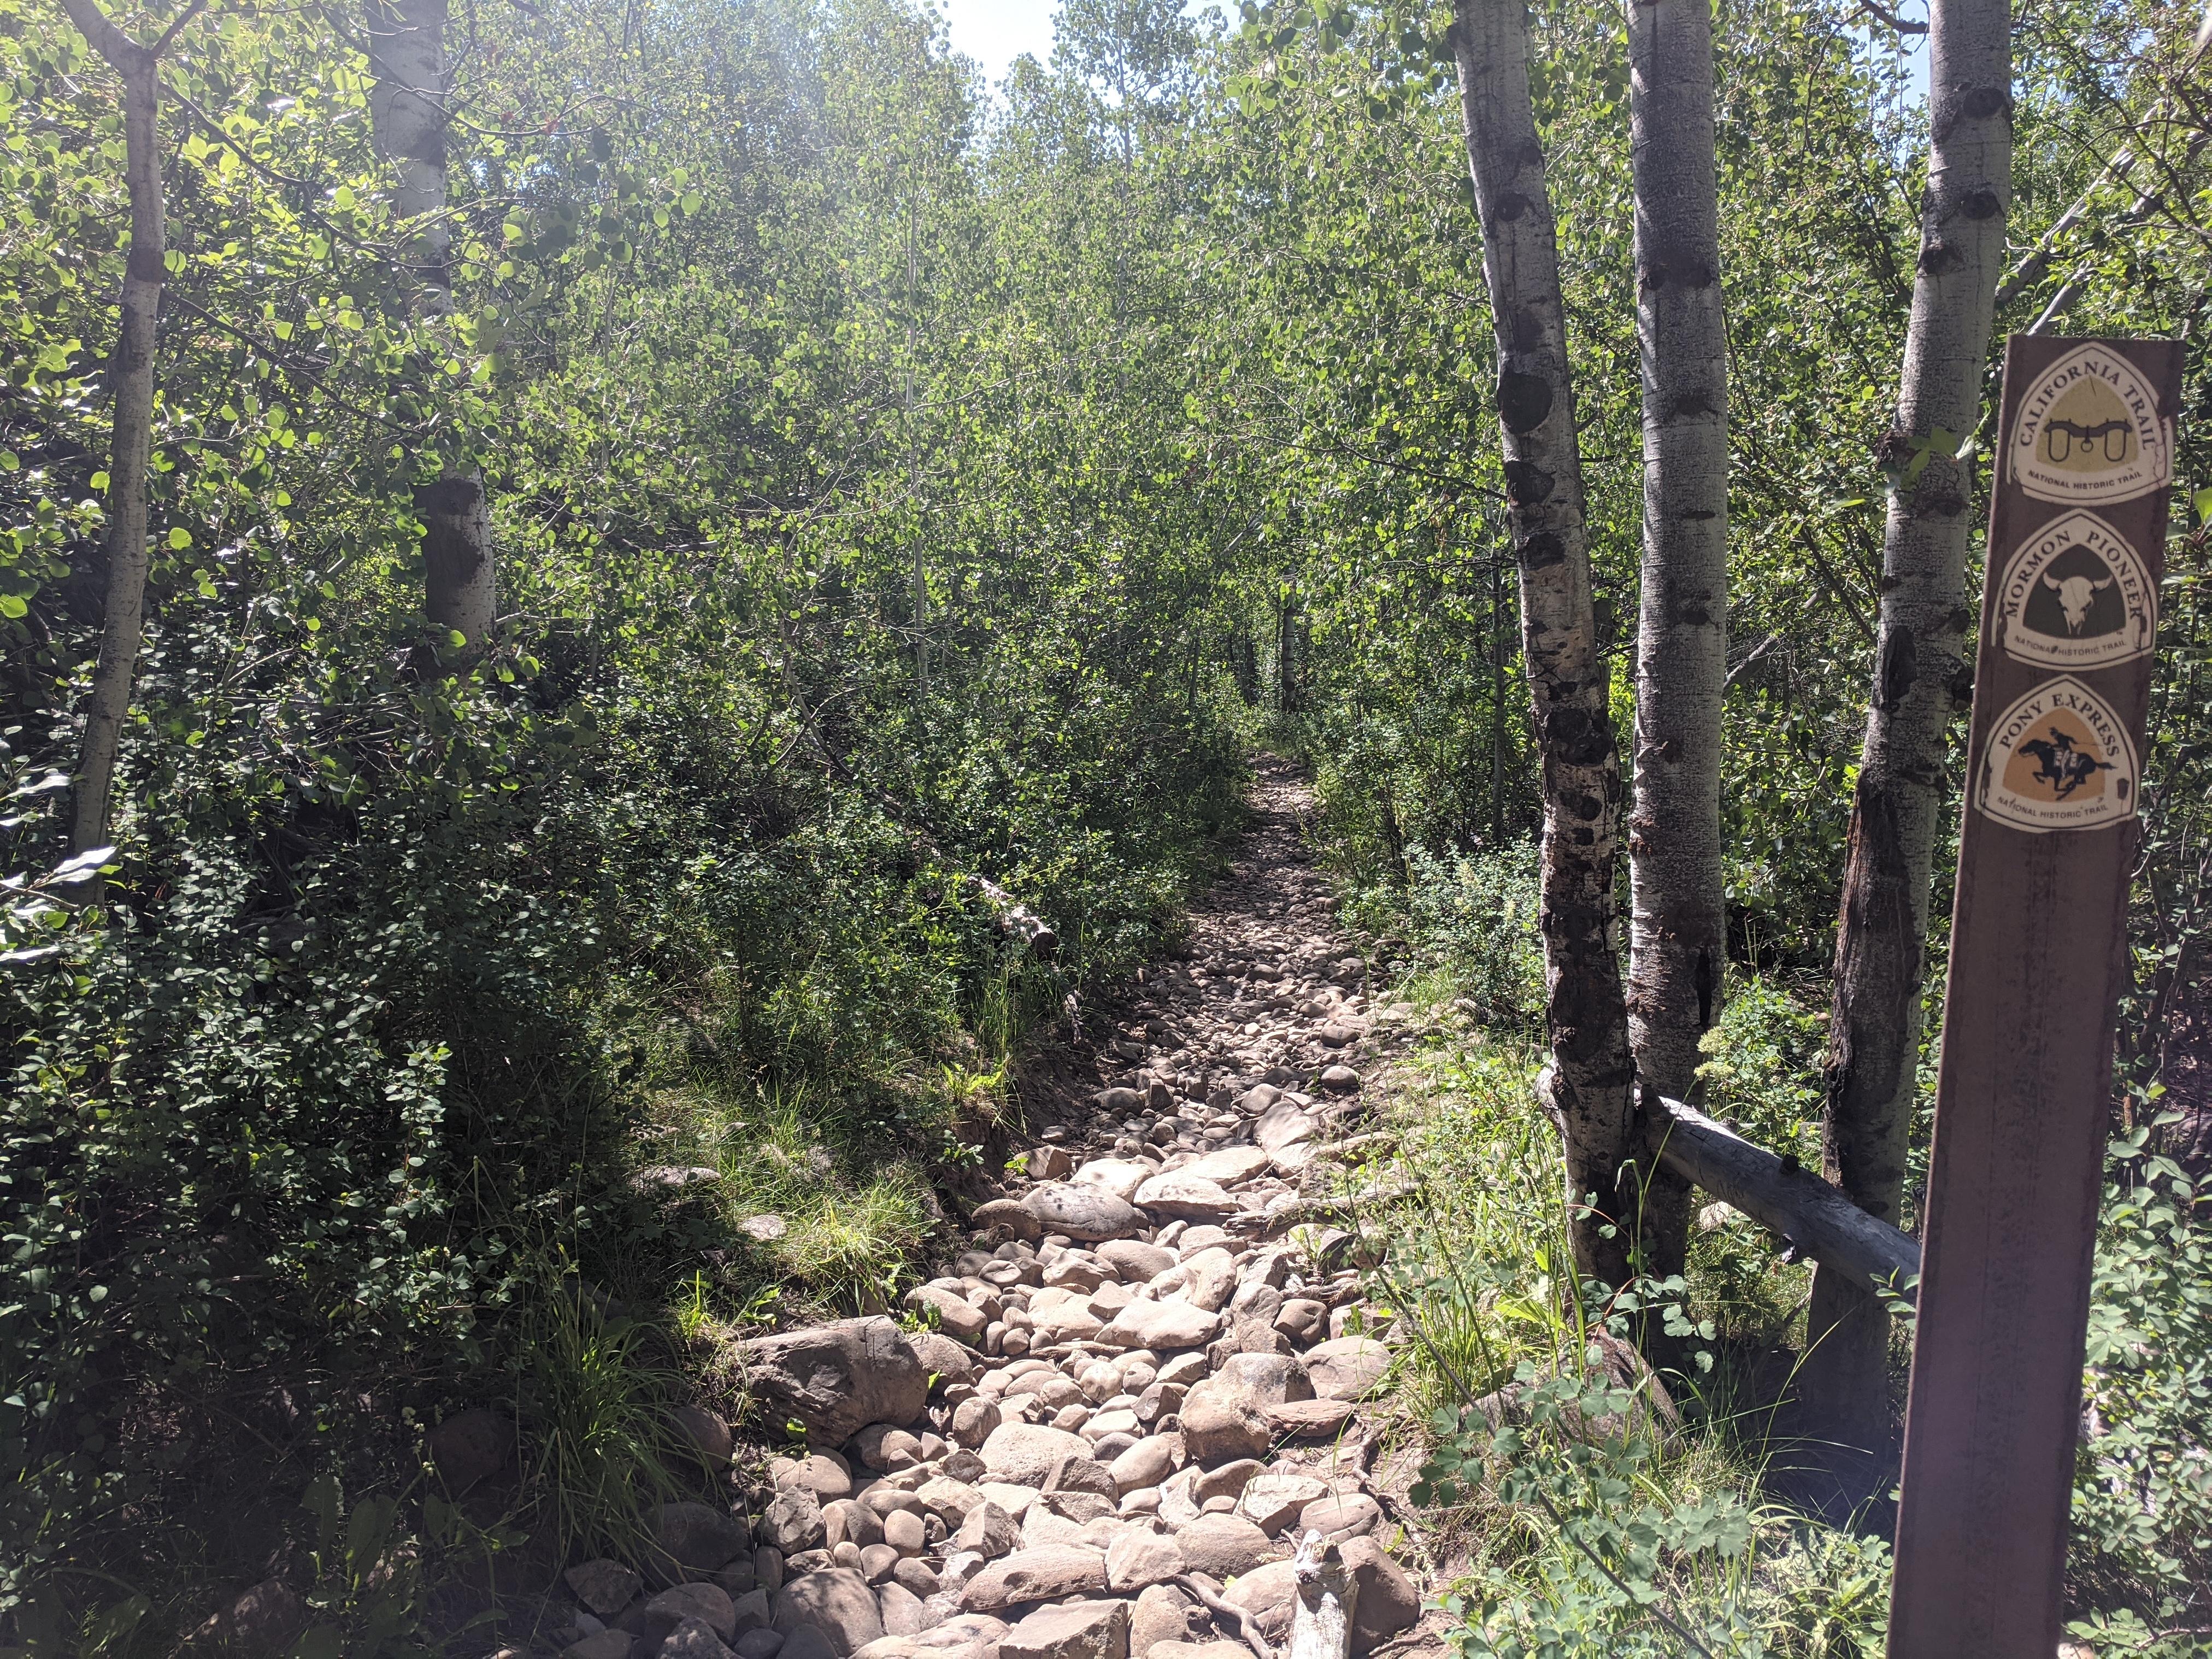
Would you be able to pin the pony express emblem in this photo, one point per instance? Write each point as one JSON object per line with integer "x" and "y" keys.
{"x": 2058, "y": 759}
{"x": 2088, "y": 430}
{"x": 2077, "y": 596}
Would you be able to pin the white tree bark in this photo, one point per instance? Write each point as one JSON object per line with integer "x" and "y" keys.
{"x": 1918, "y": 688}
{"x": 1589, "y": 1084}
{"x": 1677, "y": 945}
{"x": 132, "y": 450}
{"x": 408, "y": 116}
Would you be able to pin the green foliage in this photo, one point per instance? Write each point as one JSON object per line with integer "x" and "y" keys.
{"x": 404, "y": 984}
{"x": 1582, "y": 1527}
{"x": 1471, "y": 921}
{"x": 891, "y": 490}
{"x": 1764, "y": 1071}
{"x": 2142, "y": 1554}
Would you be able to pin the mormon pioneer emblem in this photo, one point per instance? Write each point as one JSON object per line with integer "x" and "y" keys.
{"x": 2058, "y": 759}
{"x": 2089, "y": 430}
{"x": 2076, "y": 595}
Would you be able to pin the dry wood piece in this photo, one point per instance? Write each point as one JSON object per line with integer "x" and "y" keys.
{"x": 1228, "y": 1612}
{"x": 1817, "y": 1218}
{"x": 1320, "y": 1616}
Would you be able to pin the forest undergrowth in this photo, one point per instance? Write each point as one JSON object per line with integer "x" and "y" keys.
{"x": 909, "y": 502}
{"x": 1584, "y": 1521}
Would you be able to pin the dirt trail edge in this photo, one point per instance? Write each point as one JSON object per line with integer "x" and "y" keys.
{"x": 1143, "y": 1388}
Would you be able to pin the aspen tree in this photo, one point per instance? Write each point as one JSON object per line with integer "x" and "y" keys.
{"x": 131, "y": 454}
{"x": 1919, "y": 685}
{"x": 1589, "y": 1086}
{"x": 1676, "y": 947}
{"x": 408, "y": 115}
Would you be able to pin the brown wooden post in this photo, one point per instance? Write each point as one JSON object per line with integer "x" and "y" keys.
{"x": 2070, "y": 617}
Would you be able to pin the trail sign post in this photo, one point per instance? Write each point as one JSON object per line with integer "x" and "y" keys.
{"x": 2070, "y": 618}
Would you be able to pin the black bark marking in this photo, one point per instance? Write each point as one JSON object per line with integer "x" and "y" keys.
{"x": 1527, "y": 484}
{"x": 1523, "y": 400}
{"x": 1900, "y": 654}
{"x": 1539, "y": 551}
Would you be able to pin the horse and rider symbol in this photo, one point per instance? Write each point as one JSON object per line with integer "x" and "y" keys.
{"x": 2059, "y": 763}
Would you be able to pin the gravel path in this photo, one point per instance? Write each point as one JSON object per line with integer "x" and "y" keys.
{"x": 1143, "y": 1388}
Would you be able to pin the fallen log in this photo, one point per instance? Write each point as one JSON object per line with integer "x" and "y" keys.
{"x": 1817, "y": 1218}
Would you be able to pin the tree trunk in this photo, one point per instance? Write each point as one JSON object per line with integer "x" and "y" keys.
{"x": 408, "y": 118}
{"x": 1589, "y": 1085}
{"x": 1498, "y": 656}
{"x": 1918, "y": 687}
{"x": 122, "y": 622}
{"x": 1676, "y": 934}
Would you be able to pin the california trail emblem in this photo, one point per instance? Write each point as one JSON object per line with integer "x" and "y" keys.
{"x": 2058, "y": 759}
{"x": 2088, "y": 430}
{"x": 2076, "y": 595}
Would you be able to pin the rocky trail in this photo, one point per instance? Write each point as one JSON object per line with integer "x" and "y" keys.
{"x": 1136, "y": 1430}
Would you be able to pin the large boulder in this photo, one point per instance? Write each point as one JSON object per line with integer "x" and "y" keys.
{"x": 1139, "y": 1558}
{"x": 1270, "y": 1378}
{"x": 1387, "y": 1601}
{"x": 1026, "y": 1453}
{"x": 1046, "y": 1574}
{"x": 1284, "y": 1124}
{"x": 1346, "y": 1367}
{"x": 1121, "y": 1176}
{"x": 1224, "y": 1547}
{"x": 1135, "y": 1260}
{"x": 1162, "y": 1327}
{"x": 837, "y": 1378}
{"x": 1221, "y": 1420}
{"x": 837, "y": 1602}
{"x": 1087, "y": 1213}
{"x": 689, "y": 1539}
{"x": 1192, "y": 1197}
{"x": 1078, "y": 1630}
{"x": 942, "y": 1358}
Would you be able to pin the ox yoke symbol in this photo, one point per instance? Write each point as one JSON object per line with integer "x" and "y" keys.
{"x": 2060, "y": 764}
{"x": 2075, "y": 594}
